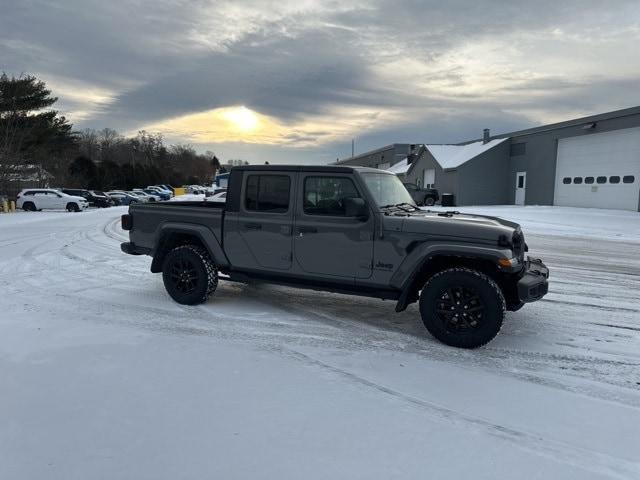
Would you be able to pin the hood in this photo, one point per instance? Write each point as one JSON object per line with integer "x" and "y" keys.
{"x": 452, "y": 224}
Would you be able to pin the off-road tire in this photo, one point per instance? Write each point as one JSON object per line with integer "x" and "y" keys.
{"x": 29, "y": 207}
{"x": 72, "y": 207}
{"x": 201, "y": 270}
{"x": 480, "y": 289}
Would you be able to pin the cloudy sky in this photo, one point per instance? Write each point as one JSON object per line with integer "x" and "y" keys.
{"x": 294, "y": 81}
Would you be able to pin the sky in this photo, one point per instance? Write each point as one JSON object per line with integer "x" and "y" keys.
{"x": 294, "y": 81}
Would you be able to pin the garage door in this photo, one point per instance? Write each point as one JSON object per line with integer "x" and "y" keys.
{"x": 600, "y": 170}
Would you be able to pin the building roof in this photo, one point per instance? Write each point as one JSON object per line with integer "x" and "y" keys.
{"x": 372, "y": 152}
{"x": 576, "y": 121}
{"x": 452, "y": 156}
{"x": 448, "y": 156}
{"x": 400, "y": 168}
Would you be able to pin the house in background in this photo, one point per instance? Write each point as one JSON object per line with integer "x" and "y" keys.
{"x": 14, "y": 178}
{"x": 587, "y": 162}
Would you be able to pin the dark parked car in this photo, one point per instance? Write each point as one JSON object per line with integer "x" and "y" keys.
{"x": 422, "y": 196}
{"x": 94, "y": 200}
{"x": 344, "y": 229}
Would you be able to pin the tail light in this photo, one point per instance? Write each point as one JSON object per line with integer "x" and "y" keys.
{"x": 127, "y": 221}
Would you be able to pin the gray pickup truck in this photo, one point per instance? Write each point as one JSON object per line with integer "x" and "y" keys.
{"x": 351, "y": 230}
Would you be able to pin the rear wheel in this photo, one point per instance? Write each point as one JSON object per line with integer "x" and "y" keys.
{"x": 29, "y": 207}
{"x": 462, "y": 307}
{"x": 189, "y": 274}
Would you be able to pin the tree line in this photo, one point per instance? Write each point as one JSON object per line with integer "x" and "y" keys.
{"x": 40, "y": 146}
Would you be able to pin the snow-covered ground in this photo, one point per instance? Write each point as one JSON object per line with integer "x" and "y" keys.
{"x": 104, "y": 377}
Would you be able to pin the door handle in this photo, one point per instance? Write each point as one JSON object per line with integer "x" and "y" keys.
{"x": 253, "y": 226}
{"x": 303, "y": 229}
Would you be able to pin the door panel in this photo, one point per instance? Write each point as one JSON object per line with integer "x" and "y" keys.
{"x": 521, "y": 187}
{"x": 265, "y": 222}
{"x": 42, "y": 200}
{"x": 326, "y": 243}
{"x": 600, "y": 170}
{"x": 429, "y": 178}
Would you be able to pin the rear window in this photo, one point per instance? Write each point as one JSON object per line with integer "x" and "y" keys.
{"x": 267, "y": 193}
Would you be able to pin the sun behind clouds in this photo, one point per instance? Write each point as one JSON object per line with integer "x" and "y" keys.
{"x": 241, "y": 118}
{"x": 239, "y": 123}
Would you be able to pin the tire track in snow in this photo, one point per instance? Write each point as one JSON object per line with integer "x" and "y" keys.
{"x": 590, "y": 460}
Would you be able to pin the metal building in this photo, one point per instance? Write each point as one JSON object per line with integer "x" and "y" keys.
{"x": 587, "y": 162}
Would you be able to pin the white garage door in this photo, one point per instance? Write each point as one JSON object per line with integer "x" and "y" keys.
{"x": 600, "y": 170}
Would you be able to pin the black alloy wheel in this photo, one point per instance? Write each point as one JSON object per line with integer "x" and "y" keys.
{"x": 183, "y": 275}
{"x": 189, "y": 274}
{"x": 462, "y": 307}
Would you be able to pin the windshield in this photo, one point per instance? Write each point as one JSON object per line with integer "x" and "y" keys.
{"x": 387, "y": 189}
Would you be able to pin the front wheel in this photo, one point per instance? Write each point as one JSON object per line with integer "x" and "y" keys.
{"x": 73, "y": 207}
{"x": 429, "y": 202}
{"x": 189, "y": 274}
{"x": 462, "y": 307}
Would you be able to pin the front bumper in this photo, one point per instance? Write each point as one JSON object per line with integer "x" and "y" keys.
{"x": 534, "y": 283}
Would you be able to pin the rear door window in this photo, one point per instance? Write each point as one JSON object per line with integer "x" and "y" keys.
{"x": 267, "y": 193}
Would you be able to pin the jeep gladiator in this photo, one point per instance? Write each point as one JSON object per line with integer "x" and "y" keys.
{"x": 352, "y": 230}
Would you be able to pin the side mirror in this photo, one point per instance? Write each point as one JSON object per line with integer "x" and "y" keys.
{"x": 356, "y": 207}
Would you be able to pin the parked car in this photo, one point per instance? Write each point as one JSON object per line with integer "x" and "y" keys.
{"x": 161, "y": 189}
{"x": 104, "y": 196}
{"x": 123, "y": 198}
{"x": 422, "y": 196}
{"x": 33, "y": 199}
{"x": 218, "y": 197}
{"x": 343, "y": 229}
{"x": 148, "y": 196}
{"x": 153, "y": 193}
{"x": 142, "y": 197}
{"x": 94, "y": 200}
{"x": 164, "y": 195}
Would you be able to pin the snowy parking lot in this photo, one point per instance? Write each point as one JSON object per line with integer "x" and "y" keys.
{"x": 104, "y": 377}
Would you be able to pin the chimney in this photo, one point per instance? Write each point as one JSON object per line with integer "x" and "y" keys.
{"x": 486, "y": 135}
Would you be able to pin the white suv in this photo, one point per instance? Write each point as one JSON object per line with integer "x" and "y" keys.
{"x": 32, "y": 199}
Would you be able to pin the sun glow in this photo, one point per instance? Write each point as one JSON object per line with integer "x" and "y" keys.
{"x": 241, "y": 124}
{"x": 241, "y": 118}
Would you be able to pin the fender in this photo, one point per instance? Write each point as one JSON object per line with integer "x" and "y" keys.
{"x": 204, "y": 234}
{"x": 405, "y": 276}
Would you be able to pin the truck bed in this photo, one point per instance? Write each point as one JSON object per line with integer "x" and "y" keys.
{"x": 149, "y": 218}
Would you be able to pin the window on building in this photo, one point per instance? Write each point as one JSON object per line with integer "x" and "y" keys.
{"x": 325, "y": 195}
{"x": 577, "y": 180}
{"x": 518, "y": 149}
{"x": 267, "y": 193}
{"x": 614, "y": 179}
{"x": 601, "y": 180}
{"x": 566, "y": 180}
{"x": 628, "y": 179}
{"x": 589, "y": 180}
{"x": 521, "y": 181}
